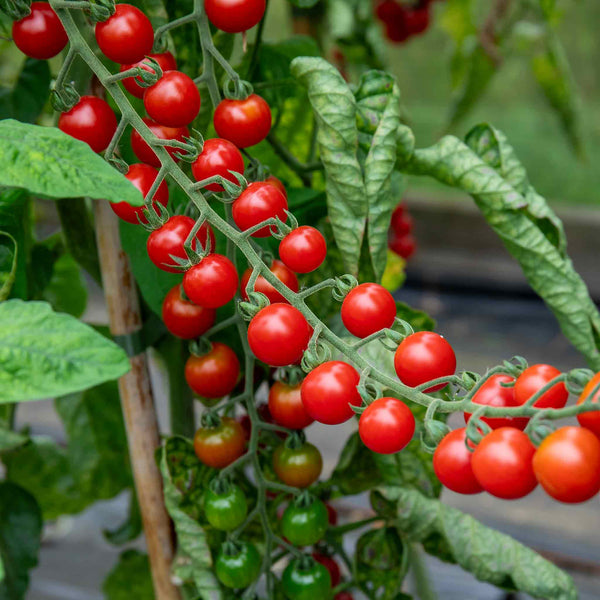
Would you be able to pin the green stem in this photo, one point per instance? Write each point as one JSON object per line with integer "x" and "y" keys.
{"x": 423, "y": 587}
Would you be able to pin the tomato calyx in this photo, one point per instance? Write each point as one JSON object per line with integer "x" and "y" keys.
{"x": 210, "y": 420}
{"x": 144, "y": 77}
{"x": 295, "y": 440}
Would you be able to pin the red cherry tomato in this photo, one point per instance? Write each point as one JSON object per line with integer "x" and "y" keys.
{"x": 386, "y": 426}
{"x": 143, "y": 150}
{"x": 166, "y": 62}
{"x": 277, "y": 183}
{"x": 331, "y": 514}
{"x": 214, "y": 374}
{"x": 173, "y": 101}
{"x": 282, "y": 273}
{"x": 40, "y": 34}
{"x": 424, "y": 356}
{"x": 403, "y": 245}
{"x": 211, "y": 283}
{"x": 219, "y": 446}
{"x": 183, "y": 318}
{"x": 329, "y": 563}
{"x": 368, "y": 308}
{"x": 401, "y": 222}
{"x": 257, "y": 203}
{"x": 243, "y": 122}
{"x": 127, "y": 36}
{"x": 417, "y": 20}
{"x": 567, "y": 464}
{"x": 303, "y": 250}
{"x": 218, "y": 157}
{"x": 493, "y": 393}
{"x": 502, "y": 463}
{"x": 298, "y": 467}
{"x": 168, "y": 240}
{"x": 286, "y": 407}
{"x": 534, "y": 379}
{"x": 590, "y": 420}
{"x": 92, "y": 121}
{"x": 142, "y": 176}
{"x": 452, "y": 464}
{"x": 234, "y": 16}
{"x": 278, "y": 335}
{"x": 329, "y": 390}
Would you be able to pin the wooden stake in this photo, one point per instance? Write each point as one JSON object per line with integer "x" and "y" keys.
{"x": 137, "y": 401}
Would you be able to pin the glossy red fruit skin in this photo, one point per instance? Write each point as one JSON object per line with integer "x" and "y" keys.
{"x": 386, "y": 426}
{"x": 218, "y": 157}
{"x": 169, "y": 239}
{"x": 491, "y": 393}
{"x": 303, "y": 250}
{"x": 567, "y": 465}
{"x": 329, "y": 390}
{"x": 92, "y": 121}
{"x": 502, "y": 464}
{"x": 278, "y": 335}
{"x": 166, "y": 61}
{"x": 452, "y": 464}
{"x": 40, "y": 34}
{"x": 287, "y": 277}
{"x": 533, "y": 379}
{"x": 590, "y": 420}
{"x": 277, "y": 183}
{"x": 368, "y": 308}
{"x": 173, "y": 101}
{"x": 243, "y": 122}
{"x": 214, "y": 374}
{"x": 211, "y": 283}
{"x": 219, "y": 446}
{"x": 183, "y": 318}
{"x": 329, "y": 563}
{"x": 143, "y": 150}
{"x": 142, "y": 176}
{"x": 234, "y": 16}
{"x": 286, "y": 408}
{"x": 403, "y": 245}
{"x": 127, "y": 36}
{"x": 258, "y": 202}
{"x": 424, "y": 356}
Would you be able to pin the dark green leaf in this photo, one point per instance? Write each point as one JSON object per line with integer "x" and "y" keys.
{"x": 45, "y": 354}
{"x": 8, "y": 264}
{"x": 66, "y": 290}
{"x": 131, "y": 527}
{"x": 303, "y": 3}
{"x": 46, "y": 161}
{"x": 26, "y": 100}
{"x": 356, "y": 470}
{"x": 9, "y": 440}
{"x": 130, "y": 578}
{"x": 419, "y": 320}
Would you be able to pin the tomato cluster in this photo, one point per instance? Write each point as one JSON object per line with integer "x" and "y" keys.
{"x": 400, "y": 237}
{"x": 403, "y": 20}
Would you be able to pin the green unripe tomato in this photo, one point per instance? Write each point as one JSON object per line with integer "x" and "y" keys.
{"x": 238, "y": 569}
{"x": 310, "y": 581}
{"x": 225, "y": 511}
{"x": 305, "y": 525}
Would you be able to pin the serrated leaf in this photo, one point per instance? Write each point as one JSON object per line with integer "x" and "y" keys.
{"x": 44, "y": 354}
{"x": 46, "y": 161}
{"x": 26, "y": 100}
{"x": 130, "y": 578}
{"x": 8, "y": 264}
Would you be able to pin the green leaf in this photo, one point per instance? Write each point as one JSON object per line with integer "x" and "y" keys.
{"x": 46, "y": 161}
{"x": 9, "y": 440}
{"x": 419, "y": 320}
{"x": 489, "y": 555}
{"x": 130, "y": 528}
{"x": 20, "y": 534}
{"x": 303, "y": 3}
{"x": 8, "y": 264}
{"x": 130, "y": 578}
{"x": 66, "y": 290}
{"x": 44, "y": 354}
{"x": 26, "y": 100}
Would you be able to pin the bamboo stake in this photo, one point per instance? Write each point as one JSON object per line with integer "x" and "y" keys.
{"x": 137, "y": 401}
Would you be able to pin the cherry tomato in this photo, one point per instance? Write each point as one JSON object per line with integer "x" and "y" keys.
{"x": 452, "y": 464}
{"x": 143, "y": 150}
{"x": 502, "y": 463}
{"x": 142, "y": 176}
{"x": 567, "y": 464}
{"x": 92, "y": 121}
{"x": 280, "y": 271}
{"x": 401, "y": 222}
{"x": 422, "y": 357}
{"x": 211, "y": 283}
{"x": 226, "y": 510}
{"x": 168, "y": 240}
{"x": 257, "y": 203}
{"x": 535, "y": 378}
{"x": 332, "y": 514}
{"x": 286, "y": 407}
{"x": 234, "y": 16}
{"x": 403, "y": 245}
{"x": 240, "y": 569}
{"x": 218, "y": 157}
{"x": 590, "y": 420}
{"x": 303, "y": 250}
{"x": 243, "y": 122}
{"x": 344, "y": 596}
{"x": 173, "y": 101}
{"x": 306, "y": 582}
{"x": 298, "y": 467}
{"x": 329, "y": 390}
{"x": 368, "y": 308}
{"x": 277, "y": 183}
{"x": 329, "y": 563}
{"x": 417, "y": 20}
{"x": 166, "y": 62}
{"x": 219, "y": 446}
{"x": 279, "y": 334}
{"x": 493, "y": 393}
{"x": 40, "y": 34}
{"x": 214, "y": 374}
{"x": 386, "y": 426}
{"x": 183, "y": 318}
{"x": 127, "y": 36}
{"x": 304, "y": 525}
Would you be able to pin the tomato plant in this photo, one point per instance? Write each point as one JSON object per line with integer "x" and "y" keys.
{"x": 386, "y": 426}
{"x": 225, "y": 509}
{"x": 297, "y": 467}
{"x": 286, "y": 406}
{"x": 214, "y": 374}
{"x": 239, "y": 566}
{"x": 211, "y": 283}
{"x": 183, "y": 318}
{"x": 165, "y": 60}
{"x": 40, "y": 34}
{"x": 452, "y": 463}
{"x": 304, "y": 523}
{"x": 143, "y": 151}
{"x": 244, "y": 122}
{"x": 218, "y": 446}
